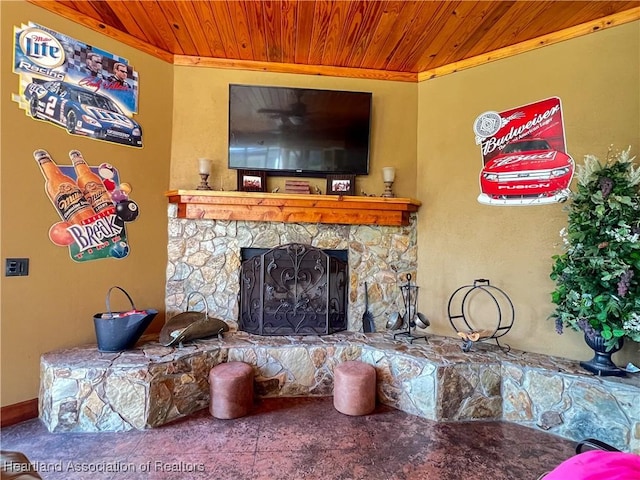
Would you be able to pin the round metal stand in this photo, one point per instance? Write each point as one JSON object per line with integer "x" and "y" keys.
{"x": 410, "y": 300}
{"x": 459, "y": 310}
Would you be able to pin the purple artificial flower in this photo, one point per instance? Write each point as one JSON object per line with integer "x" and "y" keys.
{"x": 625, "y": 282}
{"x": 606, "y": 185}
{"x": 559, "y": 326}
{"x": 587, "y": 328}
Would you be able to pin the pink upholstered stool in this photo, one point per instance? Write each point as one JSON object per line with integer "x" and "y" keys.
{"x": 231, "y": 387}
{"x": 354, "y": 388}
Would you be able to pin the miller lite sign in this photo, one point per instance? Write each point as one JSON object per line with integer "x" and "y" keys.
{"x": 524, "y": 156}
{"x": 85, "y": 90}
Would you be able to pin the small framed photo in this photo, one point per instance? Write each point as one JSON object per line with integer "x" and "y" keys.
{"x": 252, "y": 181}
{"x": 341, "y": 184}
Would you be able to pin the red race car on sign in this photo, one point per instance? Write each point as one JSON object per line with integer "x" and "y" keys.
{"x": 524, "y": 156}
{"x": 527, "y": 171}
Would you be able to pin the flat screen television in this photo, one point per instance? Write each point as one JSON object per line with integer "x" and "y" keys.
{"x": 299, "y": 131}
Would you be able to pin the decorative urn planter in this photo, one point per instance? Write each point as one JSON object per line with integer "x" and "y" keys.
{"x": 597, "y": 276}
{"x": 601, "y": 363}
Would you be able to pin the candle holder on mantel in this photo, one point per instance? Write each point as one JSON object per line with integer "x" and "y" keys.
{"x": 388, "y": 176}
{"x": 205, "y": 171}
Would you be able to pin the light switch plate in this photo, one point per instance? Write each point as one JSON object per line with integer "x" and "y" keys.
{"x": 17, "y": 267}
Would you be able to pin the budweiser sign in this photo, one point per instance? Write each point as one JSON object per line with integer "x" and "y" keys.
{"x": 524, "y": 156}
{"x": 542, "y": 119}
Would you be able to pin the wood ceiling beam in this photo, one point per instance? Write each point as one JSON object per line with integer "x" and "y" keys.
{"x": 276, "y": 67}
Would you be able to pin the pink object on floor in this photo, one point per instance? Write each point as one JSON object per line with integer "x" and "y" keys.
{"x": 231, "y": 386}
{"x": 598, "y": 465}
{"x": 354, "y": 388}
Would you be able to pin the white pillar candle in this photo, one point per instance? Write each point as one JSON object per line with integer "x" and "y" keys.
{"x": 388, "y": 174}
{"x": 205, "y": 165}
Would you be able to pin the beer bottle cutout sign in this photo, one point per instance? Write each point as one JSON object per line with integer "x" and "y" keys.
{"x": 92, "y": 204}
{"x": 63, "y": 191}
{"x": 91, "y": 184}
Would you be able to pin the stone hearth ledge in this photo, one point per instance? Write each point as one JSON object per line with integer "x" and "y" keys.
{"x": 83, "y": 390}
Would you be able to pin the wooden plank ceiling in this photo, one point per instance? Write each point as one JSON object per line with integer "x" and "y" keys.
{"x": 399, "y": 40}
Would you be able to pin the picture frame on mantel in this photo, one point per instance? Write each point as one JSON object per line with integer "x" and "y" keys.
{"x": 252, "y": 181}
{"x": 341, "y": 184}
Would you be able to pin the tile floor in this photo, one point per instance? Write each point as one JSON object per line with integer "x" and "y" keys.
{"x": 292, "y": 439}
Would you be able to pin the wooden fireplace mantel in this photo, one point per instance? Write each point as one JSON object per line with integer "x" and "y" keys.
{"x": 282, "y": 207}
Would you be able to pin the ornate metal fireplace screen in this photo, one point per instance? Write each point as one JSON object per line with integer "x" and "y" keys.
{"x": 293, "y": 289}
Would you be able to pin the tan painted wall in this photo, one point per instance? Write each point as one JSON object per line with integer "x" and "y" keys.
{"x": 53, "y": 307}
{"x": 200, "y": 125}
{"x": 597, "y": 77}
{"x": 459, "y": 239}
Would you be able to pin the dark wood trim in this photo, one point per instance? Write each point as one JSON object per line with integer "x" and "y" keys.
{"x": 18, "y": 412}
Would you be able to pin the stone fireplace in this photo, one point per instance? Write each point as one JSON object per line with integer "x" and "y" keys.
{"x": 204, "y": 255}
{"x": 82, "y": 389}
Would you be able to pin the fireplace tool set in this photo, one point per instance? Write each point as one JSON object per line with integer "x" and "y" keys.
{"x": 411, "y": 318}
{"x": 477, "y": 301}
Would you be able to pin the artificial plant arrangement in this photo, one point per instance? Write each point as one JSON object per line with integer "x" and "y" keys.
{"x": 598, "y": 276}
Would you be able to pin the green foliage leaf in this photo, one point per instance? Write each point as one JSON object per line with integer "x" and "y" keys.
{"x": 593, "y": 285}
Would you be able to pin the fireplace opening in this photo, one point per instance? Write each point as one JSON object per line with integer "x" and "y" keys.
{"x": 293, "y": 289}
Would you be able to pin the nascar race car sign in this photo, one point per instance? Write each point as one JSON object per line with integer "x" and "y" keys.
{"x": 78, "y": 87}
{"x": 524, "y": 157}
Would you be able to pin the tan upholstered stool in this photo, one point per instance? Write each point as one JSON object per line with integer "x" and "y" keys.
{"x": 354, "y": 388}
{"x": 231, "y": 387}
